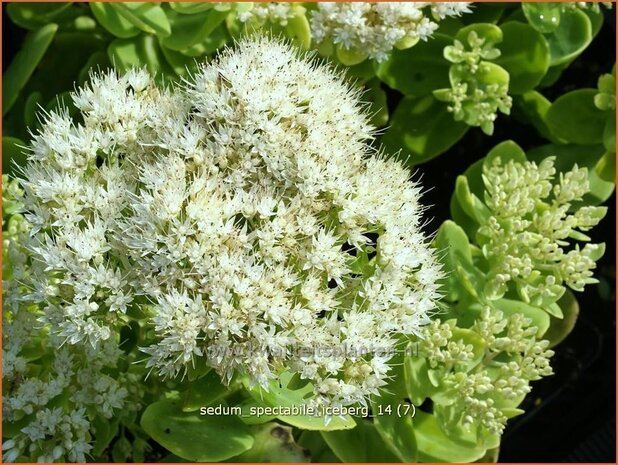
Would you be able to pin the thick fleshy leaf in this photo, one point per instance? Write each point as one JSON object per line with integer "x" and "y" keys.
{"x": 609, "y": 133}
{"x": 204, "y": 391}
{"x": 350, "y": 57}
{"x": 211, "y": 43}
{"x": 525, "y": 55}
{"x": 470, "y": 203}
{"x": 147, "y": 16}
{"x": 12, "y": 155}
{"x": 435, "y": 446}
{"x": 461, "y": 218}
{"x": 190, "y": 8}
{"x": 490, "y": 32}
{"x": 31, "y": 110}
{"x": 280, "y": 394}
{"x": 64, "y": 59}
{"x": 181, "y": 64}
{"x": 105, "y": 430}
{"x": 33, "y": 15}
{"x": 109, "y": 17}
{"x": 392, "y": 415}
{"x": 543, "y": 16}
{"x": 143, "y": 51}
{"x": 423, "y": 128}
{"x": 575, "y": 118}
{"x": 606, "y": 167}
{"x": 453, "y": 247}
{"x": 194, "y": 437}
{"x": 570, "y": 38}
{"x": 299, "y": 30}
{"x": 317, "y": 447}
{"x": 98, "y": 61}
{"x": 273, "y": 443}
{"x": 418, "y": 70}
{"x": 361, "y": 444}
{"x": 188, "y": 30}
{"x": 559, "y": 329}
{"x": 25, "y": 62}
{"x": 417, "y": 379}
{"x": 377, "y": 97}
{"x": 531, "y": 108}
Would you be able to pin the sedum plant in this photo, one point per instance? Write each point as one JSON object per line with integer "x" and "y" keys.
{"x": 202, "y": 220}
{"x": 479, "y": 87}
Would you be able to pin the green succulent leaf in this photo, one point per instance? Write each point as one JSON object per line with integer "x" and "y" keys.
{"x": 470, "y": 203}
{"x": 105, "y": 431}
{"x": 424, "y": 128}
{"x": 570, "y": 38}
{"x": 190, "y": 8}
{"x": 606, "y": 167}
{"x": 274, "y": 443}
{"x": 33, "y": 15}
{"x": 281, "y": 394}
{"x": 416, "y": 373}
{"x": 180, "y": 63}
{"x": 108, "y": 15}
{"x": 143, "y": 52}
{"x": 393, "y": 415}
{"x": 203, "y": 392}
{"x": 454, "y": 247}
{"x": 149, "y": 17}
{"x": 317, "y": 447}
{"x": 418, "y": 70}
{"x": 435, "y": 446}
{"x": 525, "y": 55}
{"x": 560, "y": 328}
{"x": 544, "y": 17}
{"x": 609, "y": 133}
{"x": 575, "y": 118}
{"x": 350, "y": 57}
{"x": 13, "y": 155}
{"x": 189, "y": 30}
{"x": 25, "y": 62}
{"x": 490, "y": 32}
{"x": 299, "y": 30}
{"x": 361, "y": 444}
{"x": 377, "y": 97}
{"x": 194, "y": 437}
{"x": 532, "y": 107}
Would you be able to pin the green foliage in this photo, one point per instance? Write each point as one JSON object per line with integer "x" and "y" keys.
{"x": 194, "y": 437}
{"x": 24, "y": 64}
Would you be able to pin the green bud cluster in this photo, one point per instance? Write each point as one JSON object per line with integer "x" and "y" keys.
{"x": 479, "y": 88}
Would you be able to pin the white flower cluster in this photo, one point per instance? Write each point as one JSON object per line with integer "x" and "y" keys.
{"x": 273, "y": 12}
{"x": 531, "y": 223}
{"x": 375, "y": 28}
{"x": 496, "y": 382}
{"x": 241, "y": 212}
{"x": 46, "y": 396}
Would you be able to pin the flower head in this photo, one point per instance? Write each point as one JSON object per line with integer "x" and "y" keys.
{"x": 373, "y": 29}
{"x": 241, "y": 213}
